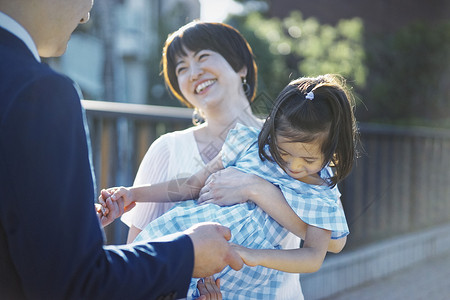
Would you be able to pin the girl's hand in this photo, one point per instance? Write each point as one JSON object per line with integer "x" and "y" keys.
{"x": 108, "y": 209}
{"x": 209, "y": 289}
{"x": 249, "y": 256}
{"x": 228, "y": 187}
{"x": 122, "y": 194}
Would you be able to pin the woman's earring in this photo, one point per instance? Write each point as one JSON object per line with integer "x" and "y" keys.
{"x": 246, "y": 87}
{"x": 197, "y": 117}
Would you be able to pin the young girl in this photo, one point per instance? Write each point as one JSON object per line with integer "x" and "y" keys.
{"x": 306, "y": 146}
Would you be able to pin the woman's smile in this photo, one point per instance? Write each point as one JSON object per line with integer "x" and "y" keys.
{"x": 202, "y": 86}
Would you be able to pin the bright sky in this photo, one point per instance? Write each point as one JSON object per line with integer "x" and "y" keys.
{"x": 217, "y": 10}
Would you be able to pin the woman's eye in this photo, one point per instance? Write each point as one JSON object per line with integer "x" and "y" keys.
{"x": 180, "y": 70}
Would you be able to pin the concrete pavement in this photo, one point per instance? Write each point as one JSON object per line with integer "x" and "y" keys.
{"x": 412, "y": 266}
{"x": 428, "y": 280}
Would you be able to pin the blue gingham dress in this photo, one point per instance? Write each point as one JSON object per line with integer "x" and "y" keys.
{"x": 250, "y": 226}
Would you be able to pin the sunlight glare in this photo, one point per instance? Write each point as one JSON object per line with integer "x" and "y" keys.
{"x": 218, "y": 10}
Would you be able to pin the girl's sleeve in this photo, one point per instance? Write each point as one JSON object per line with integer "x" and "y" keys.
{"x": 153, "y": 169}
{"x": 238, "y": 140}
{"x": 318, "y": 206}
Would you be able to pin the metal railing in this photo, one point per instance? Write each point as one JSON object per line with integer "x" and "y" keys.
{"x": 120, "y": 135}
{"x": 401, "y": 182}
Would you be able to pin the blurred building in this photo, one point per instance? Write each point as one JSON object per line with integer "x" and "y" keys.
{"x": 116, "y": 54}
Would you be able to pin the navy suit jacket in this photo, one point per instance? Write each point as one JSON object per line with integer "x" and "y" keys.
{"x": 51, "y": 244}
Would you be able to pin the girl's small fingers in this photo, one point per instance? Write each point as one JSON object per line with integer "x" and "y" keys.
{"x": 113, "y": 208}
{"x": 97, "y": 207}
{"x": 105, "y": 193}
{"x": 117, "y": 193}
{"x": 101, "y": 200}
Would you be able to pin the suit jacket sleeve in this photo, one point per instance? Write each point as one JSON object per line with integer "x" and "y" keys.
{"x": 48, "y": 216}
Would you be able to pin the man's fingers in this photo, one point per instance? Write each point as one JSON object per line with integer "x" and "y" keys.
{"x": 218, "y": 283}
{"x": 225, "y": 231}
{"x": 234, "y": 260}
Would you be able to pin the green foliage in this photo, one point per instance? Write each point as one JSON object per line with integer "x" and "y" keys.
{"x": 402, "y": 77}
{"x": 295, "y": 47}
{"x": 410, "y": 76}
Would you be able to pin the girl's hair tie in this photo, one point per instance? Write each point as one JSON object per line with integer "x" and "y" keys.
{"x": 309, "y": 96}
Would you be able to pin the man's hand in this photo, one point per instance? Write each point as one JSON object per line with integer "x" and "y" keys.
{"x": 212, "y": 250}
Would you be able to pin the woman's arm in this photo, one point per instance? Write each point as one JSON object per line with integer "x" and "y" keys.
{"x": 308, "y": 259}
{"x": 231, "y": 186}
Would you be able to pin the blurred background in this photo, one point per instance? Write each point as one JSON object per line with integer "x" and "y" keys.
{"x": 395, "y": 55}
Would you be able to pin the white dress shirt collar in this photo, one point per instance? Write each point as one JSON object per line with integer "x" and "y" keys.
{"x": 9, "y": 24}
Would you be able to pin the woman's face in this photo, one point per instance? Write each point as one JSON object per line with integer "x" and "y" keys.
{"x": 206, "y": 79}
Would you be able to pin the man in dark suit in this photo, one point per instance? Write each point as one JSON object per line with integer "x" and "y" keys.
{"x": 51, "y": 244}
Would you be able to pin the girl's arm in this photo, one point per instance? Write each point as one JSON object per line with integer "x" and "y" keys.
{"x": 230, "y": 186}
{"x": 170, "y": 191}
{"x": 308, "y": 259}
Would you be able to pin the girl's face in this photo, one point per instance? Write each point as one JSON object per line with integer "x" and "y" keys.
{"x": 206, "y": 79}
{"x": 301, "y": 159}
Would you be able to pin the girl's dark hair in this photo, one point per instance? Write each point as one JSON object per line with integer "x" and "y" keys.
{"x": 218, "y": 37}
{"x": 328, "y": 118}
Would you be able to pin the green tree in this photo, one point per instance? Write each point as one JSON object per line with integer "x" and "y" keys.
{"x": 410, "y": 75}
{"x": 295, "y": 47}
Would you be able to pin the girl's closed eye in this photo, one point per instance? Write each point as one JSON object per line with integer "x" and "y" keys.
{"x": 310, "y": 161}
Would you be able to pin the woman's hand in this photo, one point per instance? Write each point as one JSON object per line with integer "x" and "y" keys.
{"x": 209, "y": 289}
{"x": 227, "y": 187}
